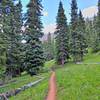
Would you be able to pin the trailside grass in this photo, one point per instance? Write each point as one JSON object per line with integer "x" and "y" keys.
{"x": 79, "y": 82}
{"x": 19, "y": 82}
{"x": 74, "y": 82}
{"x": 92, "y": 58}
{"x": 38, "y": 92}
{"x": 35, "y": 93}
{"x": 49, "y": 64}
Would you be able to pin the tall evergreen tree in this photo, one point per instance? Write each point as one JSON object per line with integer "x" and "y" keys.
{"x": 90, "y": 32}
{"x": 81, "y": 36}
{"x": 3, "y": 47}
{"x": 34, "y": 54}
{"x": 98, "y": 20}
{"x": 74, "y": 15}
{"x": 16, "y": 48}
{"x": 48, "y": 46}
{"x": 74, "y": 31}
{"x": 62, "y": 40}
{"x": 81, "y": 22}
{"x": 96, "y": 46}
{"x": 7, "y": 16}
{"x": 13, "y": 54}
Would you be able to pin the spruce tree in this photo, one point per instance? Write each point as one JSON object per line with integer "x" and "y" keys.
{"x": 45, "y": 49}
{"x": 62, "y": 48}
{"x": 90, "y": 32}
{"x": 81, "y": 36}
{"x": 50, "y": 48}
{"x": 74, "y": 34}
{"x": 96, "y": 46}
{"x": 34, "y": 53}
{"x": 74, "y": 15}
{"x": 16, "y": 46}
{"x": 81, "y": 22}
{"x": 3, "y": 48}
{"x": 13, "y": 53}
{"x": 98, "y": 20}
{"x": 7, "y": 15}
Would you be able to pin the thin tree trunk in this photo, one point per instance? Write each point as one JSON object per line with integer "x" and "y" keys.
{"x": 62, "y": 62}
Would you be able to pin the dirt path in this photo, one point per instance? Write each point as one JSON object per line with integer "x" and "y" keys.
{"x": 52, "y": 88}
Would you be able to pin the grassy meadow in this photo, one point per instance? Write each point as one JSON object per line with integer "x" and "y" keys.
{"x": 74, "y": 81}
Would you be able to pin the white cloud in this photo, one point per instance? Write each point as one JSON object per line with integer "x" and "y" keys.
{"x": 45, "y": 13}
{"x": 90, "y": 11}
{"x": 49, "y": 28}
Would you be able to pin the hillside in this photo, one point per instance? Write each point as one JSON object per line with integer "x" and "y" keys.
{"x": 73, "y": 82}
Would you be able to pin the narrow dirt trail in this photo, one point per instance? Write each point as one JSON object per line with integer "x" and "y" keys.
{"x": 52, "y": 87}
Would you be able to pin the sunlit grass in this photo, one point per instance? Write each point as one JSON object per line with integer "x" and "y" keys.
{"x": 49, "y": 64}
{"x": 78, "y": 82}
{"x": 19, "y": 81}
{"x": 74, "y": 82}
{"x": 38, "y": 92}
{"x": 92, "y": 58}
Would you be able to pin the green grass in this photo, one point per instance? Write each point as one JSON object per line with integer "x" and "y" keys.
{"x": 78, "y": 82}
{"x": 38, "y": 92}
{"x": 92, "y": 58}
{"x": 74, "y": 82}
{"x": 49, "y": 64}
{"x": 20, "y": 81}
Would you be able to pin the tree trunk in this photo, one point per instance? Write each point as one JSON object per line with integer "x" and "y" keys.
{"x": 62, "y": 62}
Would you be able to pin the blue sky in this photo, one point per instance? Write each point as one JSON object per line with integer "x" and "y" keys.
{"x": 51, "y": 8}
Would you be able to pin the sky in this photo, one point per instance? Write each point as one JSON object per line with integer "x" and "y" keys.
{"x": 88, "y": 7}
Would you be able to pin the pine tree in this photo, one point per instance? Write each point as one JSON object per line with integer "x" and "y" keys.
{"x": 81, "y": 22}
{"x": 16, "y": 46}
{"x": 6, "y": 16}
{"x": 74, "y": 34}
{"x": 90, "y": 32}
{"x": 98, "y": 20}
{"x": 50, "y": 48}
{"x": 61, "y": 33}
{"x": 45, "y": 49}
{"x": 81, "y": 33}
{"x": 96, "y": 46}
{"x": 13, "y": 53}
{"x": 74, "y": 15}
{"x": 3, "y": 47}
{"x": 34, "y": 53}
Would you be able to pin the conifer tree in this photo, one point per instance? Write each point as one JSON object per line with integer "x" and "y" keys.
{"x": 16, "y": 46}
{"x": 90, "y": 32}
{"x": 13, "y": 53}
{"x": 74, "y": 15}
{"x": 98, "y": 20}
{"x": 62, "y": 48}
{"x": 81, "y": 36}
{"x": 7, "y": 6}
{"x": 3, "y": 47}
{"x": 34, "y": 53}
{"x": 81, "y": 22}
{"x": 96, "y": 46}
{"x": 74, "y": 34}
{"x": 50, "y": 48}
